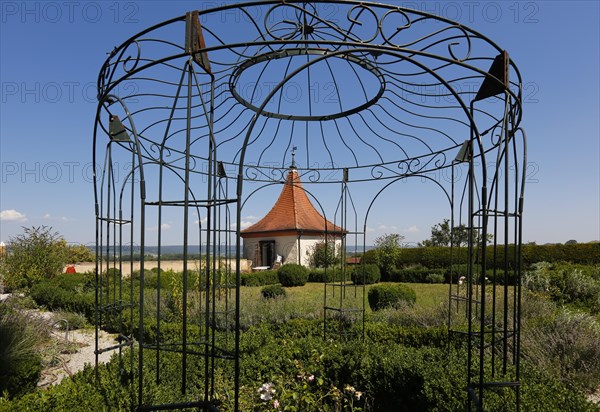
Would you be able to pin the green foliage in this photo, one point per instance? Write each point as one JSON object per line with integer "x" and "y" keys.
{"x": 79, "y": 253}
{"x": 417, "y": 274}
{"x": 33, "y": 256}
{"x": 387, "y": 249}
{"x": 74, "y": 320}
{"x": 262, "y": 278}
{"x": 413, "y": 317}
{"x": 413, "y": 336}
{"x": 562, "y": 343}
{"x": 20, "y": 364}
{"x": 151, "y": 278}
{"x": 566, "y": 283}
{"x": 292, "y": 274}
{"x": 273, "y": 291}
{"x": 398, "y": 367}
{"x": 384, "y": 296}
{"x": 67, "y": 292}
{"x": 17, "y": 301}
{"x": 370, "y": 256}
{"x": 542, "y": 392}
{"x": 324, "y": 255}
{"x": 367, "y": 274}
{"x": 441, "y": 235}
{"x": 434, "y": 278}
{"x": 440, "y": 257}
{"x": 403, "y": 364}
{"x": 582, "y": 253}
{"x": 322, "y": 275}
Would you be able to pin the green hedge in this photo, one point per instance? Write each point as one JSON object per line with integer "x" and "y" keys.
{"x": 263, "y": 278}
{"x": 490, "y": 274}
{"x": 418, "y": 274}
{"x": 67, "y": 292}
{"x": 320, "y": 275}
{"x": 439, "y": 257}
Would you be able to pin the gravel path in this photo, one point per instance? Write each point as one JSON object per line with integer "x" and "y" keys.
{"x": 67, "y": 354}
{"x": 80, "y": 352}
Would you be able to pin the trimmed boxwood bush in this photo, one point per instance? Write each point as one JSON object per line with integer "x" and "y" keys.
{"x": 371, "y": 272}
{"x": 292, "y": 274}
{"x": 383, "y": 296}
{"x": 272, "y": 291}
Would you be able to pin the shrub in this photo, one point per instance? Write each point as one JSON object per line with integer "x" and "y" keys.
{"x": 272, "y": 291}
{"x": 20, "y": 365}
{"x": 565, "y": 346}
{"x": 75, "y": 320}
{"x": 292, "y": 275}
{"x": 324, "y": 254}
{"x": 80, "y": 253}
{"x": 20, "y": 302}
{"x": 383, "y": 296}
{"x": 68, "y": 292}
{"x": 567, "y": 283}
{"x": 367, "y": 274}
{"x": 434, "y": 278}
{"x": 262, "y": 278}
{"x": 328, "y": 275}
{"x": 35, "y": 255}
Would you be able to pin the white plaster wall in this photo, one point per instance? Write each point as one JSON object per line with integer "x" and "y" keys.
{"x": 286, "y": 246}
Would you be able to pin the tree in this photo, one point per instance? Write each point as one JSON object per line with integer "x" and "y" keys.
{"x": 35, "y": 255}
{"x": 388, "y": 250}
{"x": 441, "y": 235}
{"x": 571, "y": 242}
{"x": 79, "y": 253}
{"x": 324, "y": 254}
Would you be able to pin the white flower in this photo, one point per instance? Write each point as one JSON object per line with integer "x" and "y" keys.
{"x": 311, "y": 378}
{"x": 358, "y": 395}
{"x": 276, "y": 404}
{"x": 266, "y": 391}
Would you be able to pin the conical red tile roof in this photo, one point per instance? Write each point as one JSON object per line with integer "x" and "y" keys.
{"x": 293, "y": 213}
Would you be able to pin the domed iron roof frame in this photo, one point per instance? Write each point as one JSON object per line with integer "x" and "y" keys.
{"x": 178, "y": 133}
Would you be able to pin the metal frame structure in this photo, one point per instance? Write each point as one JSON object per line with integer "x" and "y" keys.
{"x": 196, "y": 119}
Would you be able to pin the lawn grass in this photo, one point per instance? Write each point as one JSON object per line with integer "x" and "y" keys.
{"x": 308, "y": 300}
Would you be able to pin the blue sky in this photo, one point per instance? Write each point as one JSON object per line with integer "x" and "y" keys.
{"x": 51, "y": 53}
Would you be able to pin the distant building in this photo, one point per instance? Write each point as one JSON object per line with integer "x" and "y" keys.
{"x": 288, "y": 233}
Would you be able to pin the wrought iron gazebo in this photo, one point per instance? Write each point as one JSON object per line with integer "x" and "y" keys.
{"x": 371, "y": 95}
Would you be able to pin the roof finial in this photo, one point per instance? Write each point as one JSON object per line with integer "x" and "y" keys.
{"x": 293, "y": 165}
